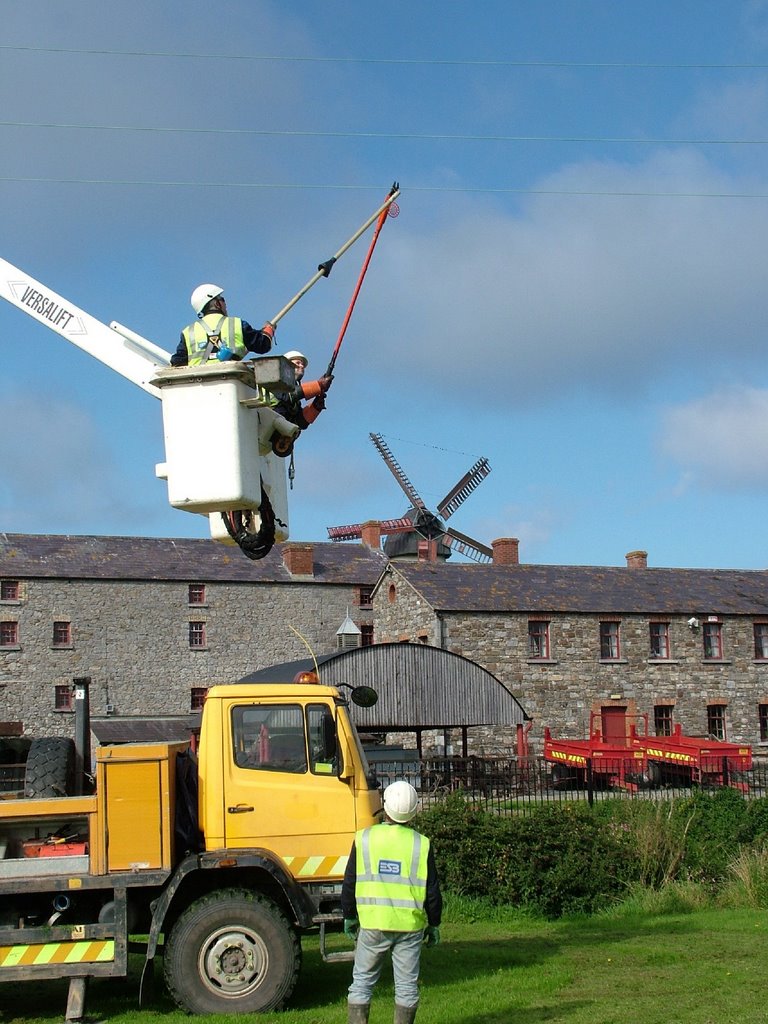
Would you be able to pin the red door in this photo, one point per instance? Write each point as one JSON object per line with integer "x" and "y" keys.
{"x": 614, "y": 722}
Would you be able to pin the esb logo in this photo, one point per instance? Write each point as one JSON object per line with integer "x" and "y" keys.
{"x": 389, "y": 867}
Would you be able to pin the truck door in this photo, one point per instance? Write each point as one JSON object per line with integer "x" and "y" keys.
{"x": 281, "y": 784}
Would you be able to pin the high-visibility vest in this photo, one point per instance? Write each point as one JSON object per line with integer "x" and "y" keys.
{"x": 225, "y": 331}
{"x": 391, "y": 884}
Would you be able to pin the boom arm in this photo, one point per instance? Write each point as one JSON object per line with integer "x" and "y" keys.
{"x": 119, "y": 348}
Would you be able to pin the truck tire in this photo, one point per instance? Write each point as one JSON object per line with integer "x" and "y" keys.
{"x": 50, "y": 767}
{"x": 231, "y": 952}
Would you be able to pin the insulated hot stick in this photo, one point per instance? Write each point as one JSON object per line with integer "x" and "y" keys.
{"x": 283, "y": 446}
{"x": 324, "y": 269}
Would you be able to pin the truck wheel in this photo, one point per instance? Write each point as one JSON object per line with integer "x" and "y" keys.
{"x": 231, "y": 952}
{"x": 50, "y": 767}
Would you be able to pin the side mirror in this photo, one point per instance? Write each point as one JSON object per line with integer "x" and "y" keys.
{"x": 364, "y": 696}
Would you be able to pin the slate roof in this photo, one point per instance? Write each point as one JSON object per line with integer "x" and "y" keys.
{"x": 588, "y": 589}
{"x": 459, "y": 587}
{"x": 24, "y": 556}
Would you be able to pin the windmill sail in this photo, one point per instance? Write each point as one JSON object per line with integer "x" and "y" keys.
{"x": 419, "y": 519}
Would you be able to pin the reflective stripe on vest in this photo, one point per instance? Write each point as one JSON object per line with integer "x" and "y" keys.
{"x": 229, "y": 329}
{"x": 391, "y": 884}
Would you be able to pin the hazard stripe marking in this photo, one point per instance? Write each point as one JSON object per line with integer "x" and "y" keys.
{"x": 101, "y": 951}
{"x": 309, "y": 867}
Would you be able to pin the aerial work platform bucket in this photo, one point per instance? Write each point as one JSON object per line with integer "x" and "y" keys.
{"x": 217, "y": 427}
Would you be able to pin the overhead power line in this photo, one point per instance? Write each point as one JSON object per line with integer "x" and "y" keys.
{"x": 330, "y": 186}
{"x": 419, "y": 61}
{"x": 407, "y": 136}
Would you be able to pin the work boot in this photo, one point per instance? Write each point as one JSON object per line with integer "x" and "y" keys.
{"x": 358, "y": 1013}
{"x": 404, "y": 1014}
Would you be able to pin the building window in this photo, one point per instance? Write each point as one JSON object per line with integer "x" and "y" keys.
{"x": 366, "y": 630}
{"x": 609, "y": 641}
{"x": 365, "y": 595}
{"x": 662, "y": 719}
{"x": 761, "y": 641}
{"x": 659, "y": 639}
{"x": 9, "y": 634}
{"x": 10, "y": 590}
{"x": 196, "y": 593}
{"x": 762, "y": 717}
{"x": 197, "y": 635}
{"x": 62, "y": 697}
{"x": 538, "y": 639}
{"x": 62, "y": 634}
{"x": 712, "y": 635}
{"x": 716, "y": 721}
{"x": 197, "y": 697}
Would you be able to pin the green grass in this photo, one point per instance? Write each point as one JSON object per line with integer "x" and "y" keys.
{"x": 494, "y": 966}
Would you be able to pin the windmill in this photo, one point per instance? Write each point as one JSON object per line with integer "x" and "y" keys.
{"x": 421, "y": 520}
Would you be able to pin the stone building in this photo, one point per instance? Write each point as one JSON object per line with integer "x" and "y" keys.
{"x": 154, "y": 622}
{"x": 584, "y": 647}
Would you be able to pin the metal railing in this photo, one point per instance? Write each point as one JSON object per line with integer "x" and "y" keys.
{"x": 12, "y": 779}
{"x": 512, "y": 784}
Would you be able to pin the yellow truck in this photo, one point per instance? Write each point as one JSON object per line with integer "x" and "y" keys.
{"x": 218, "y": 858}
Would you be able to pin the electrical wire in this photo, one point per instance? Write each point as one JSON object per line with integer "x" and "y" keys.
{"x": 417, "y": 61}
{"x": 445, "y": 189}
{"x": 381, "y": 136}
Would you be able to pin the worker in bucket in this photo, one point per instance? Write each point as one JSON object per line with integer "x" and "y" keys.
{"x": 290, "y": 405}
{"x": 391, "y": 903}
{"x": 215, "y": 334}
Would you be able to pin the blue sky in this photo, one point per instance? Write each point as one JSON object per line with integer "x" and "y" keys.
{"x": 574, "y": 287}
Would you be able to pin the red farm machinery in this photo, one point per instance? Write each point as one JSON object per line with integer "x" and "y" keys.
{"x": 639, "y": 760}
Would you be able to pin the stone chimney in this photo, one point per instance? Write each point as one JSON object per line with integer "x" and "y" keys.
{"x": 298, "y": 559}
{"x": 637, "y": 559}
{"x": 506, "y": 551}
{"x": 370, "y": 534}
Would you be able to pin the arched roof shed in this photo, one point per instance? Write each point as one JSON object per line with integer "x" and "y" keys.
{"x": 419, "y": 687}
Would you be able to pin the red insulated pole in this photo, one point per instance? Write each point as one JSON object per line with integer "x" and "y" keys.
{"x": 386, "y": 211}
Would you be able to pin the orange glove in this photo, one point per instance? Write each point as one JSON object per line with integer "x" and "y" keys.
{"x": 269, "y": 330}
{"x": 311, "y": 412}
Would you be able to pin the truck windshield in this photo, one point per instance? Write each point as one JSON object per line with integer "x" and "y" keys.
{"x": 269, "y": 737}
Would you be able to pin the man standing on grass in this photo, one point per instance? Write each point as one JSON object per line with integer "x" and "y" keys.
{"x": 391, "y": 902}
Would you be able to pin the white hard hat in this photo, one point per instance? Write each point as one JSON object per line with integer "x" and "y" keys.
{"x": 202, "y": 295}
{"x": 400, "y": 801}
{"x": 297, "y": 355}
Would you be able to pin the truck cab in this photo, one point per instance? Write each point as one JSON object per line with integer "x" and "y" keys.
{"x": 282, "y": 767}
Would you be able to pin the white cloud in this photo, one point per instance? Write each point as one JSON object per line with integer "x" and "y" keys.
{"x": 604, "y": 293}
{"x": 720, "y": 440}
{"x": 57, "y": 465}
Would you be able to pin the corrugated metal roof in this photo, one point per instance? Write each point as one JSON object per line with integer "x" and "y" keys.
{"x": 574, "y": 588}
{"x": 419, "y": 687}
{"x": 53, "y": 556}
{"x": 134, "y": 729}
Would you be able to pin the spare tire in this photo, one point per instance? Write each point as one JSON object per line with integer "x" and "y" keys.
{"x": 50, "y": 769}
